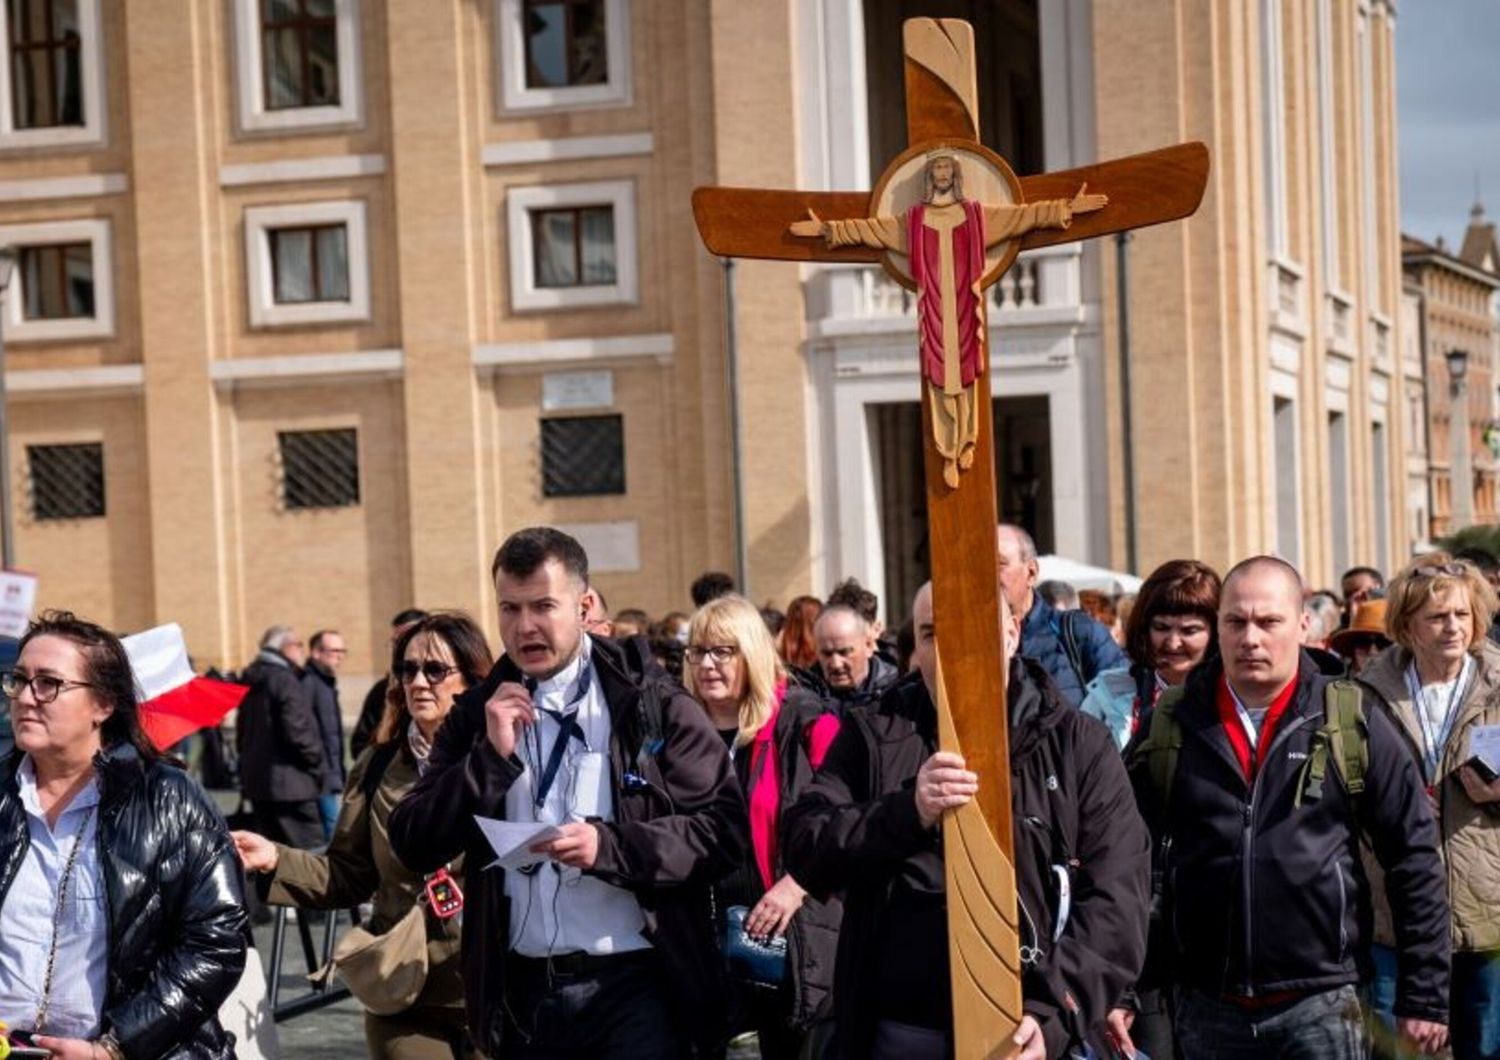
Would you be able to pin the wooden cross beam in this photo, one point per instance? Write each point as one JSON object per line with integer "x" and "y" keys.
{"x": 946, "y": 219}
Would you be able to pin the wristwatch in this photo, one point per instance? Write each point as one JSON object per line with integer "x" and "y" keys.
{"x": 111, "y": 1045}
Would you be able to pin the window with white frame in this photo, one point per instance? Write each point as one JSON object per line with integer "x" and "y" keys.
{"x": 307, "y": 264}
{"x": 572, "y": 245}
{"x": 62, "y": 287}
{"x": 561, "y": 54}
{"x": 298, "y": 64}
{"x": 51, "y": 82}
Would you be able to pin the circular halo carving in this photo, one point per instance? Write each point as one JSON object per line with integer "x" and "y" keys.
{"x": 987, "y": 178}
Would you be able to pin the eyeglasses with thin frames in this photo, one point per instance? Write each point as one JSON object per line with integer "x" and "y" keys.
{"x": 44, "y": 687}
{"x": 1446, "y": 570}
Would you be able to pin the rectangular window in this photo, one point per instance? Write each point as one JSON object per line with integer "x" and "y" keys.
{"x": 574, "y": 246}
{"x": 1380, "y": 489}
{"x": 1338, "y": 484}
{"x": 300, "y": 52}
{"x": 583, "y": 456}
{"x": 1288, "y": 513}
{"x": 67, "y": 481}
{"x": 319, "y": 469}
{"x": 566, "y": 43}
{"x": 310, "y": 264}
{"x": 57, "y": 281}
{"x": 46, "y": 63}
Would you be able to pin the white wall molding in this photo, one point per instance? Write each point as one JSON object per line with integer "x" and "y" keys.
{"x": 297, "y": 368}
{"x": 102, "y": 380}
{"x": 553, "y": 353}
{"x": 284, "y": 171}
{"x": 85, "y": 186}
{"x": 567, "y": 149}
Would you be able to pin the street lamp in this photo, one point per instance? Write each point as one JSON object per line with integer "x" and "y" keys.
{"x": 7, "y": 536}
{"x": 1461, "y": 481}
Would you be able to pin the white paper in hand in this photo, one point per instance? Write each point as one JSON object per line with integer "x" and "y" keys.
{"x": 1484, "y": 742}
{"x": 512, "y": 841}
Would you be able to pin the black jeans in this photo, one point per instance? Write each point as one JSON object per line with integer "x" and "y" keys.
{"x": 609, "y": 1008}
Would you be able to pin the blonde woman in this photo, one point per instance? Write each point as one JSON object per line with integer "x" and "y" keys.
{"x": 1440, "y": 681}
{"x": 777, "y": 735}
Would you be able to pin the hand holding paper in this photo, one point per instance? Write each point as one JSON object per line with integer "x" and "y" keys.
{"x": 512, "y": 841}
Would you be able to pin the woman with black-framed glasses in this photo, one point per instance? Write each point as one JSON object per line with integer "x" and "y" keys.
{"x": 433, "y": 660}
{"x": 122, "y": 919}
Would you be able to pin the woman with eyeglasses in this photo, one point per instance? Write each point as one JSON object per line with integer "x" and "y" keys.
{"x": 777, "y": 734}
{"x": 122, "y": 920}
{"x": 1440, "y": 682}
{"x": 433, "y": 660}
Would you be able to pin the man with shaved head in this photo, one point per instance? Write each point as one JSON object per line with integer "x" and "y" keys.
{"x": 1258, "y": 834}
{"x": 848, "y": 670}
{"x": 869, "y": 827}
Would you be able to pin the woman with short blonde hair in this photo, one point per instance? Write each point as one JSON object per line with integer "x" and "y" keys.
{"x": 777, "y": 734}
{"x": 1440, "y": 683}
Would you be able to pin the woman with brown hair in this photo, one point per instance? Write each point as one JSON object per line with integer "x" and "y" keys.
{"x": 795, "y": 643}
{"x": 1172, "y": 628}
{"x": 1440, "y": 682}
{"x": 433, "y": 660}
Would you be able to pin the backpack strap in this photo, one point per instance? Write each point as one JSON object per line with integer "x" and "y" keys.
{"x": 1068, "y": 634}
{"x": 1163, "y": 742}
{"x": 1344, "y": 740}
{"x": 380, "y": 761}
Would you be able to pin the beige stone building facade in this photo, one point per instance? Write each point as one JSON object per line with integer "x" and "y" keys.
{"x": 1454, "y": 333}
{"x": 317, "y": 299}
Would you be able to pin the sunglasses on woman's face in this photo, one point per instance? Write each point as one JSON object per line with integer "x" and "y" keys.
{"x": 435, "y": 672}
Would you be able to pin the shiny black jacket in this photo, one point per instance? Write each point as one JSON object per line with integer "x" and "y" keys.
{"x": 680, "y": 824}
{"x": 173, "y": 903}
{"x": 857, "y": 825}
{"x": 1265, "y": 896}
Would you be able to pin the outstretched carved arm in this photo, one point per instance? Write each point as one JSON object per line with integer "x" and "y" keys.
{"x": 883, "y": 233}
{"x": 1011, "y": 222}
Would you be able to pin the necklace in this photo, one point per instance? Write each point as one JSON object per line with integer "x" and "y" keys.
{"x": 57, "y": 915}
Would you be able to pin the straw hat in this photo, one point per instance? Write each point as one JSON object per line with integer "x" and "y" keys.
{"x": 1369, "y": 620}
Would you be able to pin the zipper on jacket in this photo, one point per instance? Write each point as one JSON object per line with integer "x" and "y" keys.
{"x": 1246, "y": 868}
{"x": 1343, "y": 908}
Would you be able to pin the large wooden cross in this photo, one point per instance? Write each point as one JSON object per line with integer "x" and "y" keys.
{"x": 947, "y": 218}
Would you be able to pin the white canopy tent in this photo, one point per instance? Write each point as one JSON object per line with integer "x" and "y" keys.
{"x": 1084, "y": 576}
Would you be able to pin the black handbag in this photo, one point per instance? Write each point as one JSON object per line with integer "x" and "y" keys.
{"x": 758, "y": 961}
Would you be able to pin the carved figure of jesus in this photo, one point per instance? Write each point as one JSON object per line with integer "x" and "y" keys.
{"x": 945, "y": 237}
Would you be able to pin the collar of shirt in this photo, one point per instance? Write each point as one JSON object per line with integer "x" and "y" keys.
{"x": 1239, "y": 728}
{"x": 31, "y": 800}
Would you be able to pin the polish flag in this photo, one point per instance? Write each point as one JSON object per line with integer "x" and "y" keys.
{"x": 175, "y": 702}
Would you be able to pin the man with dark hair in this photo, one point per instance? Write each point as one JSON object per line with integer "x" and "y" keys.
{"x": 869, "y": 826}
{"x": 1357, "y": 585}
{"x": 281, "y": 753}
{"x": 1071, "y": 646}
{"x": 711, "y": 585}
{"x": 1260, "y": 778}
{"x": 326, "y": 653}
{"x": 604, "y": 946}
{"x": 373, "y": 708}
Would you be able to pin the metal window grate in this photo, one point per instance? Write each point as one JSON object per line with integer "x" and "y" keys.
{"x": 583, "y": 456}
{"x": 319, "y": 469}
{"x": 67, "y": 481}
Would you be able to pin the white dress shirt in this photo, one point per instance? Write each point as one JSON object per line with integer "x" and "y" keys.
{"x": 554, "y": 909}
{"x": 27, "y": 911}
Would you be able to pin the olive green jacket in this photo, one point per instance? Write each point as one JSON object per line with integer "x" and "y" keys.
{"x": 1470, "y": 832}
{"x": 359, "y": 866}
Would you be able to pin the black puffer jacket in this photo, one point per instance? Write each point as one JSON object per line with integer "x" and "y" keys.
{"x": 1265, "y": 896}
{"x": 174, "y": 905}
{"x": 680, "y": 824}
{"x": 857, "y": 828}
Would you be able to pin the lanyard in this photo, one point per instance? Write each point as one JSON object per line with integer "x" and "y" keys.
{"x": 1434, "y": 742}
{"x": 568, "y": 731}
{"x": 1246, "y": 722}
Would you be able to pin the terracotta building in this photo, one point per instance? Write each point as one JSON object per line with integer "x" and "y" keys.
{"x": 316, "y": 300}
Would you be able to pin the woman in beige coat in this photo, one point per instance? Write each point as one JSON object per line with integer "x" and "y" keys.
{"x": 433, "y": 660}
{"x": 1440, "y": 681}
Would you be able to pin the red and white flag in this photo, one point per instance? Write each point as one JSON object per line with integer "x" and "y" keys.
{"x": 175, "y": 702}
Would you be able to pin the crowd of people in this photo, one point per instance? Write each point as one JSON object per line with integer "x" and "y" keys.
{"x": 1251, "y": 819}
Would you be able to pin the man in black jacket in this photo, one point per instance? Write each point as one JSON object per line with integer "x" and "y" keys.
{"x": 281, "y": 751}
{"x": 868, "y": 825}
{"x": 1266, "y": 904}
{"x": 605, "y": 947}
{"x": 326, "y": 653}
{"x": 849, "y": 671}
